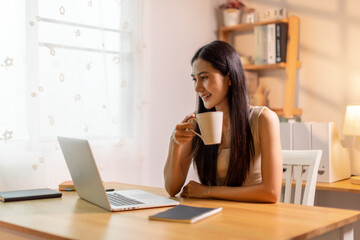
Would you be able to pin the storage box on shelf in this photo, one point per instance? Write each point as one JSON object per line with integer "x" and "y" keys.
{"x": 335, "y": 160}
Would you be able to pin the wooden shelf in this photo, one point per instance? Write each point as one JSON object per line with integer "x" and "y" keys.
{"x": 344, "y": 185}
{"x": 290, "y": 66}
{"x": 280, "y": 111}
{"x": 250, "y": 26}
{"x": 253, "y": 67}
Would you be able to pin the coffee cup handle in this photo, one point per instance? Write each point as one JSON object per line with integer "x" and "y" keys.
{"x": 194, "y": 119}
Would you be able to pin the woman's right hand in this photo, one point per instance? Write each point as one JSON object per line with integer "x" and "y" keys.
{"x": 182, "y": 134}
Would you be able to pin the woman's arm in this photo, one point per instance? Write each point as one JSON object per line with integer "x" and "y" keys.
{"x": 271, "y": 169}
{"x": 179, "y": 157}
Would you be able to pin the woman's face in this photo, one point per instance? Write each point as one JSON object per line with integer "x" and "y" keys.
{"x": 210, "y": 84}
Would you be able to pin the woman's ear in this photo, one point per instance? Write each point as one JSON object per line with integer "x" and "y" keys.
{"x": 228, "y": 78}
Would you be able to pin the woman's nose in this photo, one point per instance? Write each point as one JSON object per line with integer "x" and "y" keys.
{"x": 198, "y": 86}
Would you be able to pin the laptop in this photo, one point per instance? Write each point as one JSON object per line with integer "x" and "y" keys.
{"x": 88, "y": 184}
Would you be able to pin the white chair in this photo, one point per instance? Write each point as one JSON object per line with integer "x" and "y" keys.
{"x": 294, "y": 161}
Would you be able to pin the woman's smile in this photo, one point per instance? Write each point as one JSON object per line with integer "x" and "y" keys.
{"x": 205, "y": 97}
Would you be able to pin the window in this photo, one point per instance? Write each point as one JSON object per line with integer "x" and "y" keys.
{"x": 68, "y": 68}
{"x": 72, "y": 72}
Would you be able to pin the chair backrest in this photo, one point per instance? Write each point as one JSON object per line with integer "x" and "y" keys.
{"x": 295, "y": 161}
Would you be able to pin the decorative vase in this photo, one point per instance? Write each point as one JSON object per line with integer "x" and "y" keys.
{"x": 231, "y": 16}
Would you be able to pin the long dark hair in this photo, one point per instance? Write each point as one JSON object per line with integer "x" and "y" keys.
{"x": 224, "y": 58}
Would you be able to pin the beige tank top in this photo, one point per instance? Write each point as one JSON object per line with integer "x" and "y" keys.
{"x": 254, "y": 176}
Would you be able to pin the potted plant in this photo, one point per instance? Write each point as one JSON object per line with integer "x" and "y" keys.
{"x": 232, "y": 11}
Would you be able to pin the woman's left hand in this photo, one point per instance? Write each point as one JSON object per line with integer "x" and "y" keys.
{"x": 195, "y": 190}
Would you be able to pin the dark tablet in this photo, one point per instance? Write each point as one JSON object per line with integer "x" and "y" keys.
{"x": 29, "y": 194}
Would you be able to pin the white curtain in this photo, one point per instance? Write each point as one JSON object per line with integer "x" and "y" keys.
{"x": 67, "y": 68}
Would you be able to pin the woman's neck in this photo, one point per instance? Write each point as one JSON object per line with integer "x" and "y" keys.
{"x": 226, "y": 116}
{"x": 225, "y": 139}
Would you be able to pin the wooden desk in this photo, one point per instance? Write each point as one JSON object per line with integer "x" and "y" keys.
{"x": 339, "y": 186}
{"x": 74, "y": 218}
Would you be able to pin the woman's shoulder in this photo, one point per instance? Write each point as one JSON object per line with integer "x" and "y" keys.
{"x": 262, "y": 111}
{"x": 268, "y": 118}
{"x": 268, "y": 113}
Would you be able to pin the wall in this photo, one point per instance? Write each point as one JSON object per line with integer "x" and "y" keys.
{"x": 174, "y": 30}
{"x": 328, "y": 50}
{"x": 328, "y": 79}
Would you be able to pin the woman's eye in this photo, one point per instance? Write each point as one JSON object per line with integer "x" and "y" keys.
{"x": 194, "y": 79}
{"x": 204, "y": 77}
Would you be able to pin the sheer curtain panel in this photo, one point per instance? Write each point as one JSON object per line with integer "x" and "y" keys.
{"x": 68, "y": 68}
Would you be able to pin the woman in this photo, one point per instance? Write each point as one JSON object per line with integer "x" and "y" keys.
{"x": 247, "y": 164}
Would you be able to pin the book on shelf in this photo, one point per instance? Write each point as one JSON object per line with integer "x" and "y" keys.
{"x": 185, "y": 214}
{"x": 260, "y": 36}
{"x": 281, "y": 41}
{"x": 271, "y": 44}
{"x": 257, "y": 44}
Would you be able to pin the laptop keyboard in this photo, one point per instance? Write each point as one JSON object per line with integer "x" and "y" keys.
{"x": 120, "y": 200}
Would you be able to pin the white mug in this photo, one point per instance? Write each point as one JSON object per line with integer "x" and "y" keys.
{"x": 210, "y": 125}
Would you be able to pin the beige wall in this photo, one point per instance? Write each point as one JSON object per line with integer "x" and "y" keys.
{"x": 174, "y": 30}
{"x": 328, "y": 80}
